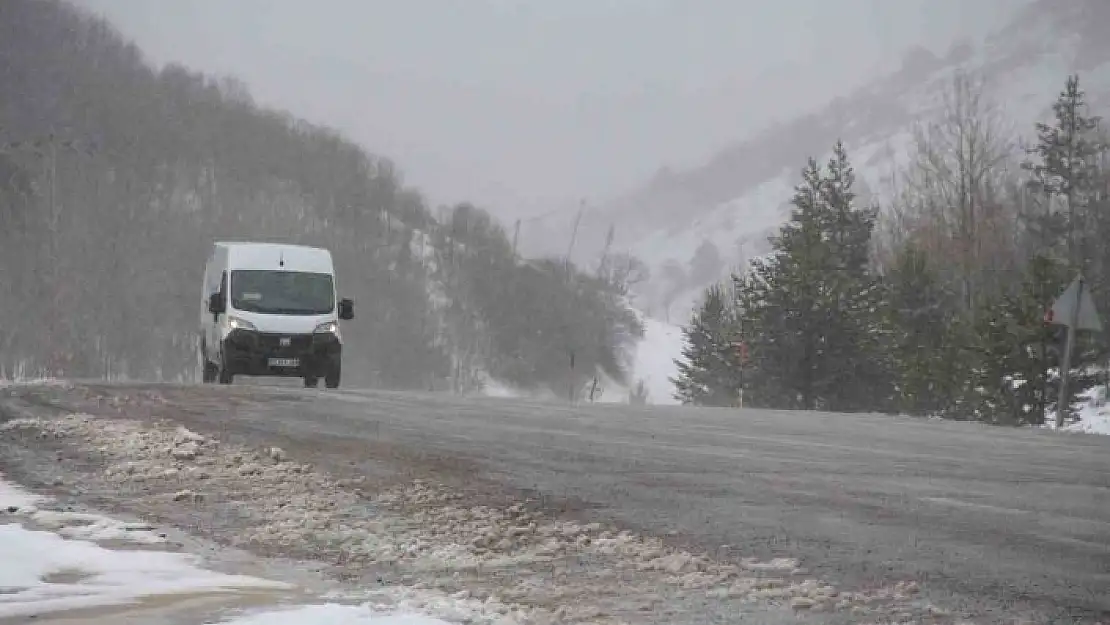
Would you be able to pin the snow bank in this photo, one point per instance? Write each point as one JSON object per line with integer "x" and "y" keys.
{"x": 1094, "y": 414}
{"x": 17, "y": 379}
{"x": 43, "y": 571}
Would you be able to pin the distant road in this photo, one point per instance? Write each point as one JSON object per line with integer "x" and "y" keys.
{"x": 984, "y": 518}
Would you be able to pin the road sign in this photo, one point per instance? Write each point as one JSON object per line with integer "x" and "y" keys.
{"x": 1076, "y": 310}
{"x": 1063, "y": 310}
{"x": 741, "y": 348}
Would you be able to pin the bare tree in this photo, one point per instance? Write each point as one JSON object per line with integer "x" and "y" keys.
{"x": 952, "y": 199}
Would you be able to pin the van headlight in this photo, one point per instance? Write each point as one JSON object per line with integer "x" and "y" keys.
{"x": 235, "y": 323}
{"x": 328, "y": 327}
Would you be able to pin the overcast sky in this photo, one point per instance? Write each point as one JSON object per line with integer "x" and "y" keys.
{"x": 521, "y": 105}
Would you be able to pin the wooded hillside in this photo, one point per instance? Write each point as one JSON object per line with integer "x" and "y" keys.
{"x": 116, "y": 177}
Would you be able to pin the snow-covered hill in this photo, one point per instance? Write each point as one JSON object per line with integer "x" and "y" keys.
{"x": 741, "y": 195}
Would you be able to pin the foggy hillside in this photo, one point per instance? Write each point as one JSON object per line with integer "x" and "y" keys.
{"x": 691, "y": 227}
{"x": 115, "y": 178}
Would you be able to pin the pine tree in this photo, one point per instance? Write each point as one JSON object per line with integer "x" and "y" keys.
{"x": 925, "y": 342}
{"x": 809, "y": 311}
{"x": 1068, "y": 168}
{"x": 860, "y": 378}
{"x": 1064, "y": 169}
{"x": 1021, "y": 354}
{"x": 769, "y": 330}
{"x": 708, "y": 370}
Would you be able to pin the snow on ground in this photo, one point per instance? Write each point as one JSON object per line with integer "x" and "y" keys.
{"x": 50, "y": 562}
{"x": 45, "y": 568}
{"x": 1092, "y": 420}
{"x": 7, "y": 381}
{"x": 654, "y": 362}
{"x": 1094, "y": 414}
{"x": 331, "y": 614}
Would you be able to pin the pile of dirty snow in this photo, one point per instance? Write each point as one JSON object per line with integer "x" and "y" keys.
{"x": 50, "y": 561}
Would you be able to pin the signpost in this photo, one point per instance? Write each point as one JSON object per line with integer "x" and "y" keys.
{"x": 741, "y": 348}
{"x": 1074, "y": 309}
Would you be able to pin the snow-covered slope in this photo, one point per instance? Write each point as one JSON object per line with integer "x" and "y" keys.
{"x": 741, "y": 195}
{"x": 654, "y": 361}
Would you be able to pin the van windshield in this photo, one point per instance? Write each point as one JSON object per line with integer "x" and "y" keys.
{"x": 282, "y": 292}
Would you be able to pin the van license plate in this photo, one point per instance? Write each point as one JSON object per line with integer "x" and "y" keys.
{"x": 284, "y": 363}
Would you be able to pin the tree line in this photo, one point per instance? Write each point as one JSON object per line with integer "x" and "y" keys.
{"x": 116, "y": 177}
{"x": 934, "y": 303}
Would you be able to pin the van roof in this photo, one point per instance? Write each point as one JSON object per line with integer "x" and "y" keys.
{"x": 277, "y": 256}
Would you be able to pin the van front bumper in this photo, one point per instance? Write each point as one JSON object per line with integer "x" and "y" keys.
{"x": 248, "y": 352}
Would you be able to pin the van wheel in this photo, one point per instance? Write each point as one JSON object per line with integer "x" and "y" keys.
{"x": 210, "y": 372}
{"x": 224, "y": 375}
{"x": 331, "y": 380}
{"x": 311, "y": 381}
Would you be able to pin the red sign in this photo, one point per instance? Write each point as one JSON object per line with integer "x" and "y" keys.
{"x": 742, "y": 348}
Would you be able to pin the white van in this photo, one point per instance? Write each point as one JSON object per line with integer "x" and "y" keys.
{"x": 271, "y": 310}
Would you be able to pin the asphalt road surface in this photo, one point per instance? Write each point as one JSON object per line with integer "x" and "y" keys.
{"x": 988, "y": 520}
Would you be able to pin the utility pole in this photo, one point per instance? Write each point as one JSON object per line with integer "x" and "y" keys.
{"x": 573, "y": 236}
{"x": 516, "y": 235}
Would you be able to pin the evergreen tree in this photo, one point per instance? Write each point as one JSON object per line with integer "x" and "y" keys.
{"x": 925, "y": 340}
{"x": 1068, "y": 168}
{"x": 1064, "y": 169}
{"x": 768, "y": 328}
{"x": 778, "y": 301}
{"x": 810, "y": 311}
{"x": 708, "y": 371}
{"x": 1018, "y": 350}
{"x": 860, "y": 378}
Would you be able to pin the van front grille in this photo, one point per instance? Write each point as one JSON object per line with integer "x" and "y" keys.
{"x": 271, "y": 342}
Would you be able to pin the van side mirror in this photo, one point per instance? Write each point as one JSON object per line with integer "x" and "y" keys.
{"x": 216, "y": 304}
{"x": 346, "y": 309}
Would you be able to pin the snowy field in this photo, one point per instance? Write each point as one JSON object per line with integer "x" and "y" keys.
{"x": 654, "y": 362}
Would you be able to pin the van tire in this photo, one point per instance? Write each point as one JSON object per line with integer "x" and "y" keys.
{"x": 208, "y": 376}
{"x": 224, "y": 376}
{"x": 208, "y": 371}
{"x": 331, "y": 380}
